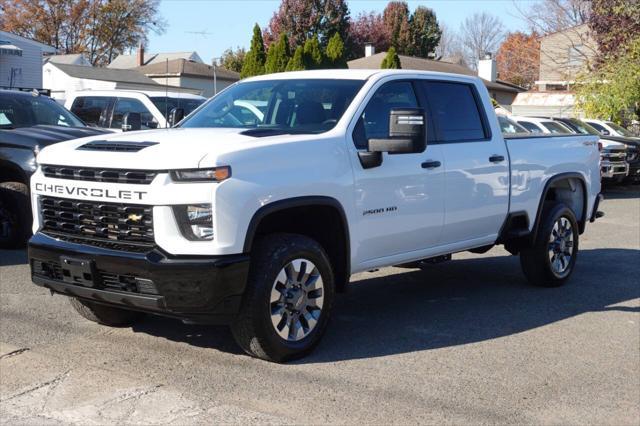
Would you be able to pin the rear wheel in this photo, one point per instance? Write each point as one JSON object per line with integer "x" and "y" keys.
{"x": 15, "y": 215}
{"x": 288, "y": 299}
{"x": 105, "y": 315}
{"x": 551, "y": 260}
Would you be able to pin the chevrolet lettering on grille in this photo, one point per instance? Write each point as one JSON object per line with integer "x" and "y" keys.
{"x": 121, "y": 194}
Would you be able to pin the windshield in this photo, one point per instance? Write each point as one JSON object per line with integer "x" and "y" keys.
{"x": 279, "y": 106}
{"x": 166, "y": 104}
{"x": 509, "y": 126}
{"x": 17, "y": 110}
{"x": 582, "y": 127}
{"x": 620, "y": 129}
{"x": 555, "y": 128}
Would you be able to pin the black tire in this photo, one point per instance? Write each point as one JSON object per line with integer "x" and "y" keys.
{"x": 15, "y": 215}
{"x": 105, "y": 315}
{"x": 253, "y": 329}
{"x": 536, "y": 262}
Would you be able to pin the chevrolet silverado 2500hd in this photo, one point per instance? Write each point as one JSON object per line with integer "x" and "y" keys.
{"x": 256, "y": 210}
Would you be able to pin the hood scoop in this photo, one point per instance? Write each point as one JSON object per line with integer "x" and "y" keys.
{"x": 115, "y": 146}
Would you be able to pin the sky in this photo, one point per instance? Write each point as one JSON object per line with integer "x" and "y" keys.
{"x": 211, "y": 26}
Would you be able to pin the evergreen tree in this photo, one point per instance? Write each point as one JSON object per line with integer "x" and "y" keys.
{"x": 391, "y": 61}
{"x": 425, "y": 32}
{"x": 278, "y": 56}
{"x": 256, "y": 57}
{"x": 335, "y": 52}
{"x": 296, "y": 63}
{"x": 312, "y": 53}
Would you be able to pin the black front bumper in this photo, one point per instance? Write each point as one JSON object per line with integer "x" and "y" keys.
{"x": 193, "y": 288}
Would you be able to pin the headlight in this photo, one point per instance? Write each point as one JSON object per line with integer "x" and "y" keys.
{"x": 195, "y": 221}
{"x": 216, "y": 174}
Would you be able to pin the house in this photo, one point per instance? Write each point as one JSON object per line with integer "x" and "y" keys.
{"x": 503, "y": 92}
{"x": 21, "y": 61}
{"x": 62, "y": 79}
{"x": 69, "y": 59}
{"x": 563, "y": 55}
{"x": 192, "y": 75}
{"x": 141, "y": 58}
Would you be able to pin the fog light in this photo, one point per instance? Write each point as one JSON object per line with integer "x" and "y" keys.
{"x": 195, "y": 221}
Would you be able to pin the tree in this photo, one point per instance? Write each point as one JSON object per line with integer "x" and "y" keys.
{"x": 256, "y": 56}
{"x": 278, "y": 56}
{"x": 233, "y": 59}
{"x": 425, "y": 32}
{"x": 396, "y": 22}
{"x": 479, "y": 34}
{"x": 101, "y": 29}
{"x": 552, "y": 16}
{"x": 367, "y": 28}
{"x": 614, "y": 24}
{"x": 450, "y": 47}
{"x": 335, "y": 52}
{"x": 296, "y": 63}
{"x": 313, "y": 58}
{"x": 302, "y": 19}
{"x": 518, "y": 58}
{"x": 391, "y": 61}
{"x": 613, "y": 90}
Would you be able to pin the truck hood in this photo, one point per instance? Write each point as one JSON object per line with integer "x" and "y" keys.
{"x": 163, "y": 149}
{"x": 41, "y": 136}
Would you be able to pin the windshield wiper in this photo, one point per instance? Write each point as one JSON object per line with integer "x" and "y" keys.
{"x": 263, "y": 132}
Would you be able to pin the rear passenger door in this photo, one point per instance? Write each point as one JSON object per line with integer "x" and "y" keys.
{"x": 477, "y": 164}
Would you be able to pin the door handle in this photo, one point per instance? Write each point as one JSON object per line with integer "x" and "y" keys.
{"x": 496, "y": 158}
{"x": 431, "y": 164}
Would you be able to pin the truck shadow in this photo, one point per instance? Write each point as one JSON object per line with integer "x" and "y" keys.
{"x": 13, "y": 257}
{"x": 450, "y": 304}
{"x": 619, "y": 192}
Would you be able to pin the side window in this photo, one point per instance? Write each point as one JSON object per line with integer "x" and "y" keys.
{"x": 90, "y": 109}
{"x": 599, "y": 128}
{"x": 374, "y": 122}
{"x": 455, "y": 111}
{"x": 124, "y": 105}
{"x": 530, "y": 127}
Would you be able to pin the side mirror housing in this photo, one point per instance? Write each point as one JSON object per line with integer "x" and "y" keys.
{"x": 407, "y": 131}
{"x": 131, "y": 121}
{"x": 175, "y": 116}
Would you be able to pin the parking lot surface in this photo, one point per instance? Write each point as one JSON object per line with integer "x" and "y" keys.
{"x": 466, "y": 341}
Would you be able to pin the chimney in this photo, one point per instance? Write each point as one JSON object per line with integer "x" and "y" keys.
{"x": 487, "y": 68}
{"x": 140, "y": 55}
{"x": 369, "y": 50}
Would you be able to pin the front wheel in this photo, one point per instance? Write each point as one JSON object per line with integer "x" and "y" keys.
{"x": 288, "y": 299}
{"x": 551, "y": 260}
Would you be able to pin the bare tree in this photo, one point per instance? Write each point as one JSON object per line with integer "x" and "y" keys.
{"x": 479, "y": 34}
{"x": 550, "y": 16}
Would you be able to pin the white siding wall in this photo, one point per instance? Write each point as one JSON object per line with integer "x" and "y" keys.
{"x": 203, "y": 85}
{"x": 62, "y": 85}
{"x": 26, "y": 69}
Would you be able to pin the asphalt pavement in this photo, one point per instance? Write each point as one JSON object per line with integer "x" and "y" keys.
{"x": 466, "y": 341}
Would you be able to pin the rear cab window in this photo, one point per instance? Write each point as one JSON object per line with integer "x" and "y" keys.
{"x": 92, "y": 109}
{"x": 530, "y": 126}
{"x": 125, "y": 105}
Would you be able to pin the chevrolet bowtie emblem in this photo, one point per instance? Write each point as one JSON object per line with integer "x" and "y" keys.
{"x": 135, "y": 217}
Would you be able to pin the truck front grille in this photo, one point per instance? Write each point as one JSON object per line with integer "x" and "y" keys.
{"x": 111, "y": 225}
{"x": 140, "y": 177}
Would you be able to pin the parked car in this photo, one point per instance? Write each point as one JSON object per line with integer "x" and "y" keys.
{"x": 259, "y": 225}
{"x": 541, "y": 125}
{"x": 509, "y": 126}
{"x": 108, "y": 108}
{"x": 28, "y": 123}
{"x": 609, "y": 128}
{"x": 632, "y": 149}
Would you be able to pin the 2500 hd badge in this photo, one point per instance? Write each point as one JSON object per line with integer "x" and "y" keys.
{"x": 122, "y": 194}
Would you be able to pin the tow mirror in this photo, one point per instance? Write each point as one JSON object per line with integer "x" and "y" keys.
{"x": 406, "y": 133}
{"x": 175, "y": 116}
{"x": 131, "y": 121}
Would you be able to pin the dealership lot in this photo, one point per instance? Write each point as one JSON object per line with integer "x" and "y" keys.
{"x": 463, "y": 341}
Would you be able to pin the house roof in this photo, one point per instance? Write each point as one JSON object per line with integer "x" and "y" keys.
{"x": 70, "y": 59}
{"x": 421, "y": 64}
{"x": 182, "y": 67}
{"x": 6, "y": 36}
{"x": 105, "y": 74}
{"x": 131, "y": 61}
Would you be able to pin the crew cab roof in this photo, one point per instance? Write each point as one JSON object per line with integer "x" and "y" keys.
{"x": 355, "y": 74}
{"x": 150, "y": 93}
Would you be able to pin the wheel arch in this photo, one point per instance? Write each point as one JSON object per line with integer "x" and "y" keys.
{"x": 553, "y": 190}
{"x": 295, "y": 214}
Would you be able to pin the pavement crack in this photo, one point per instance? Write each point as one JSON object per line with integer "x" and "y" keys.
{"x": 53, "y": 382}
{"x": 14, "y": 353}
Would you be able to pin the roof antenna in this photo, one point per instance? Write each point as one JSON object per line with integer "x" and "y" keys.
{"x": 166, "y": 94}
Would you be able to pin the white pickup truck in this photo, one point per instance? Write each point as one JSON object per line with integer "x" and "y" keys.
{"x": 257, "y": 209}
